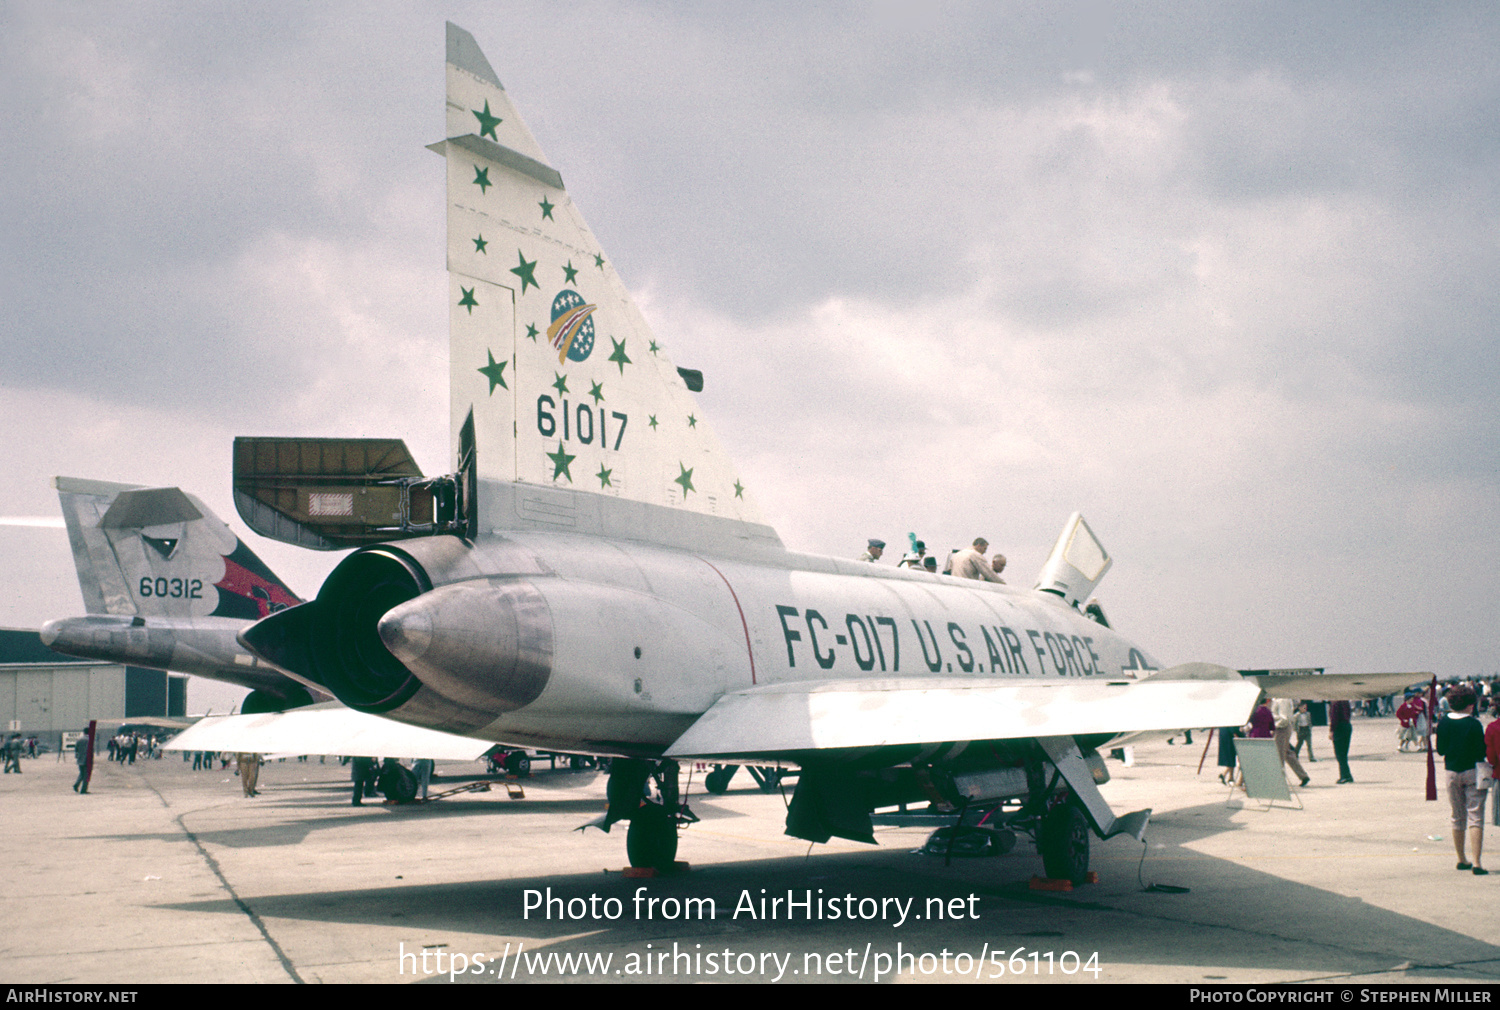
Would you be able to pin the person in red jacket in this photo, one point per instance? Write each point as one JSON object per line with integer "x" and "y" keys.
{"x": 1412, "y": 715}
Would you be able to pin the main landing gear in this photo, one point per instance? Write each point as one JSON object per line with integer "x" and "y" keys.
{"x": 645, "y": 793}
{"x": 652, "y": 838}
{"x": 1060, "y": 807}
{"x": 1062, "y": 835}
{"x": 717, "y": 781}
{"x": 1063, "y": 839}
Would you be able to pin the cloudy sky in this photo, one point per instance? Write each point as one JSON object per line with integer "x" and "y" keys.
{"x": 1223, "y": 278}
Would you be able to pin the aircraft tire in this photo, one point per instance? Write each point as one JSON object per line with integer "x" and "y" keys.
{"x": 1064, "y": 841}
{"x": 260, "y": 702}
{"x": 399, "y": 784}
{"x": 717, "y": 781}
{"x": 518, "y": 763}
{"x": 652, "y": 838}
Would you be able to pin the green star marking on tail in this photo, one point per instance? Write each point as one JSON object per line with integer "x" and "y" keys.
{"x": 570, "y": 272}
{"x": 560, "y": 383}
{"x": 619, "y": 356}
{"x": 487, "y": 122}
{"x": 467, "y": 301}
{"x": 652, "y": 421}
{"x": 692, "y": 421}
{"x": 531, "y": 330}
{"x": 739, "y": 490}
{"x": 494, "y": 371}
{"x": 596, "y": 390}
{"x": 547, "y": 209}
{"x": 482, "y": 178}
{"x": 560, "y": 460}
{"x": 526, "y": 271}
{"x": 603, "y": 476}
{"x": 598, "y": 261}
{"x": 684, "y": 479}
{"x": 654, "y": 348}
{"x": 479, "y": 244}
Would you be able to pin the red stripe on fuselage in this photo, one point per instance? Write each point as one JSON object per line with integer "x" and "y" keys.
{"x": 743, "y": 623}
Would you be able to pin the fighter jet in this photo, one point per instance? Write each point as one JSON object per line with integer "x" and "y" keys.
{"x": 594, "y": 575}
{"x": 168, "y": 586}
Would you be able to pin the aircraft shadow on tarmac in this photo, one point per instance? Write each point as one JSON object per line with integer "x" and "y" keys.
{"x": 1234, "y": 917}
{"x": 297, "y": 827}
{"x": 299, "y": 802}
{"x": 302, "y": 798}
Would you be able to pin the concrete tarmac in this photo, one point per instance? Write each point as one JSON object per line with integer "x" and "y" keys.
{"x": 162, "y": 874}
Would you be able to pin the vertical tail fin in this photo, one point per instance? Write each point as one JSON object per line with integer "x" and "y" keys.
{"x": 567, "y": 384}
{"x": 158, "y": 552}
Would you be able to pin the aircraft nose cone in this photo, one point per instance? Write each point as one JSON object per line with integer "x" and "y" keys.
{"x": 407, "y": 631}
{"x": 50, "y": 632}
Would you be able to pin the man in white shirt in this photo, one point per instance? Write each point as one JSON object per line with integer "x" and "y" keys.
{"x": 970, "y": 564}
{"x": 1284, "y": 712}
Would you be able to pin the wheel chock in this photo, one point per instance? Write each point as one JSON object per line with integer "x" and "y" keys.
{"x": 1050, "y": 884}
{"x": 633, "y": 872}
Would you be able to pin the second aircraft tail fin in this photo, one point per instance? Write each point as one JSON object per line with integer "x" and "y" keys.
{"x": 159, "y": 552}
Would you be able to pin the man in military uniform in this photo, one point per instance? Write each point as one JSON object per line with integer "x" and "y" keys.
{"x": 81, "y": 754}
{"x": 873, "y": 552}
{"x": 249, "y": 766}
{"x": 362, "y": 770}
{"x": 13, "y": 754}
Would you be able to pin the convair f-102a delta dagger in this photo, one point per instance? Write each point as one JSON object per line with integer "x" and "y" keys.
{"x": 594, "y": 575}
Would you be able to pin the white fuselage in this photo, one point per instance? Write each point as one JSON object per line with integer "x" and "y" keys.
{"x": 644, "y": 639}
